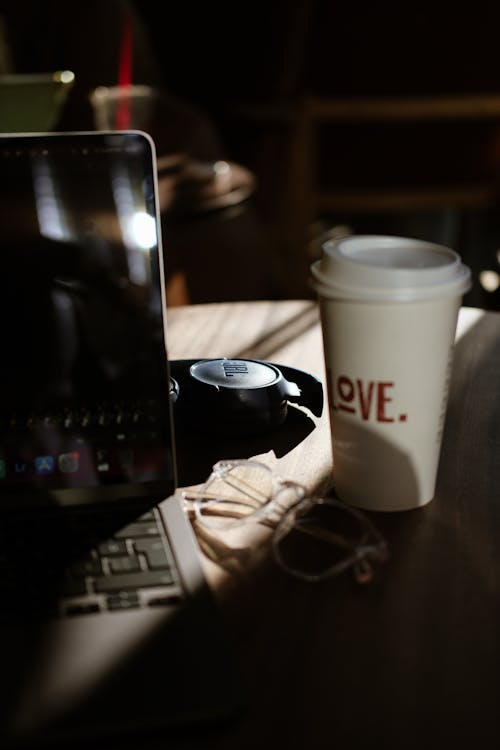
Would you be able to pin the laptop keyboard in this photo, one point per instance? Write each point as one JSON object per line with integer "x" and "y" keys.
{"x": 78, "y": 567}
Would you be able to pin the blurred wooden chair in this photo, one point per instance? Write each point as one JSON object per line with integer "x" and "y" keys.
{"x": 344, "y": 157}
{"x": 438, "y": 152}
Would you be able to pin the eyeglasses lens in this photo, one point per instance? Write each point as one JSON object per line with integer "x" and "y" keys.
{"x": 316, "y": 539}
{"x": 235, "y": 493}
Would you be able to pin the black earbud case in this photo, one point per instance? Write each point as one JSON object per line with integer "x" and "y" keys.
{"x": 239, "y": 396}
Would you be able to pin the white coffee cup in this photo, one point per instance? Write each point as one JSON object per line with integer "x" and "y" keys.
{"x": 389, "y": 308}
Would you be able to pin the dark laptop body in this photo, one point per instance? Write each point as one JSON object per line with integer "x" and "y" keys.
{"x": 107, "y": 625}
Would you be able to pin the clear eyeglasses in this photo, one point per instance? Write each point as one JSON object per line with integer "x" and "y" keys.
{"x": 313, "y": 538}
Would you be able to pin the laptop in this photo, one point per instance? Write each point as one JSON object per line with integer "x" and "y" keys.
{"x": 33, "y": 102}
{"x": 107, "y": 624}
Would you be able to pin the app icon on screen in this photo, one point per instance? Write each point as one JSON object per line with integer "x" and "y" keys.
{"x": 69, "y": 462}
{"x": 126, "y": 458}
{"x": 102, "y": 460}
{"x": 44, "y": 465}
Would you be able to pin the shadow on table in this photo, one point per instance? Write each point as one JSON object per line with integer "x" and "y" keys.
{"x": 198, "y": 451}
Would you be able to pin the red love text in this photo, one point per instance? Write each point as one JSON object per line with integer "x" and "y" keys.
{"x": 370, "y": 400}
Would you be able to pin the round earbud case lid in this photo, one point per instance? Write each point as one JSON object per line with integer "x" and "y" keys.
{"x": 235, "y": 373}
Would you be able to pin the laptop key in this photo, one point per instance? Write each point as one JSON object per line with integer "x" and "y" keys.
{"x": 138, "y": 529}
{"x": 72, "y": 587}
{"x": 112, "y": 547}
{"x": 154, "y": 551}
{"x": 86, "y": 608}
{"x": 86, "y": 566}
{"x": 124, "y": 600}
{"x": 144, "y": 579}
{"x": 165, "y": 601}
{"x": 129, "y": 564}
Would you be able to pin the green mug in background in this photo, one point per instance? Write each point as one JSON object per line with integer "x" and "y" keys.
{"x": 34, "y": 102}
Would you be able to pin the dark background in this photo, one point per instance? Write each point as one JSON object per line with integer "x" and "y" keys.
{"x": 236, "y": 77}
{"x": 221, "y": 55}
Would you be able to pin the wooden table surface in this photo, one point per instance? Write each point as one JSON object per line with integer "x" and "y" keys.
{"x": 413, "y": 659}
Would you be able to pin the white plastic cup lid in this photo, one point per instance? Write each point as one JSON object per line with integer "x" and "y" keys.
{"x": 384, "y": 268}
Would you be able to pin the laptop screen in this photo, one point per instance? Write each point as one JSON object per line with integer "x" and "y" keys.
{"x": 84, "y": 394}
